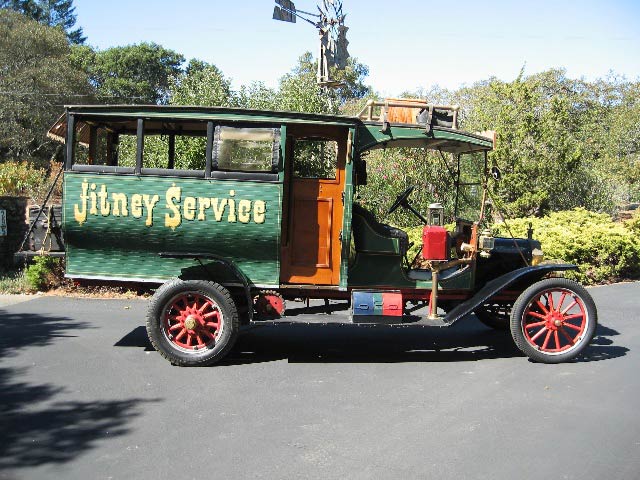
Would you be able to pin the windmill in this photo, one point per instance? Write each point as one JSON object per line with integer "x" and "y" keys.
{"x": 329, "y": 21}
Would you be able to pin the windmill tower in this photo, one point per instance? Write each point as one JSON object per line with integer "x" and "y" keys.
{"x": 332, "y": 32}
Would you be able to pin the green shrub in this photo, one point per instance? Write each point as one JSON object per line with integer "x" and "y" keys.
{"x": 20, "y": 179}
{"x": 603, "y": 250}
{"x": 44, "y": 273}
{"x": 633, "y": 224}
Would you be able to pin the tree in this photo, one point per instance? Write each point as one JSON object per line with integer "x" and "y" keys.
{"x": 351, "y": 78}
{"x": 36, "y": 80}
{"x": 539, "y": 121}
{"x": 201, "y": 84}
{"x": 53, "y": 13}
{"x": 131, "y": 74}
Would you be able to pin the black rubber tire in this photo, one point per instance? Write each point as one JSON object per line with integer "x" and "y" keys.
{"x": 532, "y": 293}
{"x": 159, "y": 304}
{"x": 495, "y": 315}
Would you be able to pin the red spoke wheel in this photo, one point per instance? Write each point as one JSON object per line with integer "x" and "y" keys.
{"x": 553, "y": 320}
{"x": 192, "y": 323}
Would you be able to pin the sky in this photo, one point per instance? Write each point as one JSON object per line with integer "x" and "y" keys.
{"x": 407, "y": 44}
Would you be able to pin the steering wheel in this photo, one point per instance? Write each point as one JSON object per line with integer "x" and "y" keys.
{"x": 401, "y": 199}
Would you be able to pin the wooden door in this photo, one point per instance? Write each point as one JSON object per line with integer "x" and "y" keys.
{"x": 314, "y": 183}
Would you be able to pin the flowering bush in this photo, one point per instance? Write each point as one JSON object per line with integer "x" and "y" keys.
{"x": 20, "y": 179}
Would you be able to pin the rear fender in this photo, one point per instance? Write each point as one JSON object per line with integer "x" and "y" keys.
{"x": 203, "y": 271}
{"x": 495, "y": 286}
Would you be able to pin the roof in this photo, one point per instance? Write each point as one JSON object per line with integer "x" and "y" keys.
{"x": 370, "y": 134}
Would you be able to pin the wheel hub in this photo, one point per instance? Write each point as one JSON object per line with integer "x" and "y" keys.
{"x": 190, "y": 322}
{"x": 554, "y": 320}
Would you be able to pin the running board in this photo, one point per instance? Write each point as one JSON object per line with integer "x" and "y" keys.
{"x": 323, "y": 319}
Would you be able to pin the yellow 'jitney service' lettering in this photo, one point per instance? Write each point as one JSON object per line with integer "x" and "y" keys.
{"x": 96, "y": 200}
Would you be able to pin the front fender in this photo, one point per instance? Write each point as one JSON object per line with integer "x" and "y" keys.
{"x": 498, "y": 284}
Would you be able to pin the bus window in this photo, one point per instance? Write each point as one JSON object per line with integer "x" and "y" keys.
{"x": 246, "y": 149}
{"x": 315, "y": 158}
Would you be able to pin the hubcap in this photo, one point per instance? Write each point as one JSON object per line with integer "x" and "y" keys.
{"x": 190, "y": 323}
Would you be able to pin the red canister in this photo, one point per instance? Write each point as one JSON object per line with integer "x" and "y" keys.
{"x": 434, "y": 243}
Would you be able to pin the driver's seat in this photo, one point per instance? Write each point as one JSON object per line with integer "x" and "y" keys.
{"x": 369, "y": 235}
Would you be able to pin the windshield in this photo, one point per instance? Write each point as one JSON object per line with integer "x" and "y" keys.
{"x": 455, "y": 181}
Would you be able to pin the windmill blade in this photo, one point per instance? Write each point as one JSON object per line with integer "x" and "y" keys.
{"x": 341, "y": 54}
{"x": 283, "y": 15}
{"x": 285, "y": 12}
{"x": 286, "y": 4}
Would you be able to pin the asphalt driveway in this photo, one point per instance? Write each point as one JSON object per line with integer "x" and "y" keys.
{"x": 83, "y": 395}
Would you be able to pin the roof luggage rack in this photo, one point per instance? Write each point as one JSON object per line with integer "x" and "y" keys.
{"x": 410, "y": 111}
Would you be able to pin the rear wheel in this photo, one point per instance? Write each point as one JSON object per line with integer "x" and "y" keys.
{"x": 553, "y": 320}
{"x": 495, "y": 315}
{"x": 192, "y": 323}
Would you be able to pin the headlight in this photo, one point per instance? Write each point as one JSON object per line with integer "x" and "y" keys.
{"x": 537, "y": 256}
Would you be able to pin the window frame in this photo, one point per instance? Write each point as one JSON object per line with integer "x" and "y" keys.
{"x": 211, "y": 170}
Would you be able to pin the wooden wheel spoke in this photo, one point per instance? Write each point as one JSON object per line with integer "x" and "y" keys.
{"x": 209, "y": 333}
{"x": 550, "y": 301}
{"x": 573, "y": 304}
{"x": 546, "y": 340}
{"x": 204, "y": 307}
{"x": 566, "y": 335}
{"x": 572, "y": 327}
{"x": 562, "y": 297}
{"x": 536, "y": 315}
{"x": 540, "y": 332}
{"x": 533, "y": 325}
{"x": 542, "y": 307}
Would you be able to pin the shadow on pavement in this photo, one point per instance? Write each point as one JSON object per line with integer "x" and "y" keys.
{"x": 335, "y": 343}
{"x": 35, "y": 428}
{"x": 602, "y": 347}
{"x": 20, "y": 330}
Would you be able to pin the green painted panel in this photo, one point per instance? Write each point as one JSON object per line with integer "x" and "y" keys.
{"x": 346, "y": 216}
{"x": 383, "y": 270}
{"x": 115, "y": 225}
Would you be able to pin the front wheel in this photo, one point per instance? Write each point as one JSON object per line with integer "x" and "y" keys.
{"x": 553, "y": 320}
{"x": 192, "y": 323}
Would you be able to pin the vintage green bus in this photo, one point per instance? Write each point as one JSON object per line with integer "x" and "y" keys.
{"x": 234, "y": 211}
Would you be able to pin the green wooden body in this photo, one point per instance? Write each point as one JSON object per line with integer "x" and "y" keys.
{"x": 116, "y": 225}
